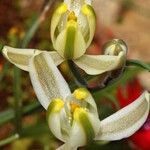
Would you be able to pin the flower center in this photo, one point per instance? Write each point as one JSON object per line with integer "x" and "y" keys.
{"x": 72, "y": 16}
{"x": 76, "y": 102}
{"x": 74, "y": 106}
{"x": 80, "y": 94}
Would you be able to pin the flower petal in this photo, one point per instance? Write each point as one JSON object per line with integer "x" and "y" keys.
{"x": 54, "y": 123}
{"x": 20, "y": 57}
{"x": 89, "y": 12}
{"x": 126, "y": 121}
{"x": 76, "y": 5}
{"x": 46, "y": 79}
{"x": 70, "y": 42}
{"x": 72, "y": 28}
{"x": 58, "y": 13}
{"x": 92, "y": 104}
{"x": 98, "y": 64}
{"x": 65, "y": 147}
{"x": 85, "y": 126}
{"x": 56, "y": 116}
{"x": 76, "y": 132}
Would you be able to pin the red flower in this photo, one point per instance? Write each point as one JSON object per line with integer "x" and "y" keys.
{"x": 130, "y": 92}
{"x": 125, "y": 95}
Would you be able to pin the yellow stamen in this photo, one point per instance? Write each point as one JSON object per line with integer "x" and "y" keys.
{"x": 85, "y": 9}
{"x": 59, "y": 104}
{"x": 72, "y": 23}
{"x": 62, "y": 8}
{"x": 80, "y": 94}
{"x": 77, "y": 113}
{"x": 73, "y": 106}
{"x": 72, "y": 16}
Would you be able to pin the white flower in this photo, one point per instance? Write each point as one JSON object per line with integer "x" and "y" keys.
{"x": 72, "y": 30}
{"x": 114, "y": 58}
{"x": 73, "y": 118}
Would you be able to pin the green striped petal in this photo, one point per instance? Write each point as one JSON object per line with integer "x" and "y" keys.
{"x": 89, "y": 13}
{"x": 98, "y": 64}
{"x": 70, "y": 42}
{"x": 84, "y": 98}
{"x": 57, "y": 15}
{"x": 85, "y": 126}
{"x": 72, "y": 28}
{"x": 46, "y": 79}
{"x": 81, "y": 132}
{"x": 92, "y": 105}
{"x": 126, "y": 121}
{"x": 81, "y": 119}
{"x": 21, "y": 57}
{"x": 55, "y": 116}
{"x": 54, "y": 123}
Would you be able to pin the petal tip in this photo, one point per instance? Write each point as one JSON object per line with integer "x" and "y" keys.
{"x": 4, "y": 51}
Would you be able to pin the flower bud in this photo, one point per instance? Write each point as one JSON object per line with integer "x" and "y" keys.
{"x": 72, "y": 28}
{"x": 114, "y": 47}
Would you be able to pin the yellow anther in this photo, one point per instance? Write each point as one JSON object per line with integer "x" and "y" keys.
{"x": 78, "y": 112}
{"x": 80, "y": 94}
{"x": 62, "y": 8}
{"x": 85, "y": 9}
{"x": 72, "y": 23}
{"x": 55, "y": 107}
{"x": 72, "y": 16}
{"x": 73, "y": 106}
{"x": 58, "y": 105}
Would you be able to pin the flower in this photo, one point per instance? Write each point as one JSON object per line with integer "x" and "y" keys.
{"x": 129, "y": 93}
{"x": 141, "y": 139}
{"x": 73, "y": 118}
{"x": 72, "y": 30}
{"x": 133, "y": 89}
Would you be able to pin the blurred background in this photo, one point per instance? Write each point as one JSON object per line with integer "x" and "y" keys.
{"x": 25, "y": 24}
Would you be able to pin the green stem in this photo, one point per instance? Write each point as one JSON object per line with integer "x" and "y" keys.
{"x": 1, "y": 46}
{"x": 112, "y": 99}
{"x": 138, "y": 63}
{"x": 18, "y": 99}
{"x": 17, "y": 72}
{"x": 4, "y": 71}
{"x": 10, "y": 114}
{"x": 30, "y": 34}
{"x": 9, "y": 140}
{"x": 80, "y": 81}
{"x": 32, "y": 30}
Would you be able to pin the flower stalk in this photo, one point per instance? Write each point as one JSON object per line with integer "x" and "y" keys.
{"x": 138, "y": 63}
{"x": 9, "y": 140}
{"x": 18, "y": 99}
